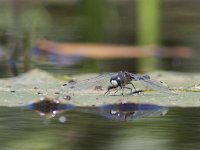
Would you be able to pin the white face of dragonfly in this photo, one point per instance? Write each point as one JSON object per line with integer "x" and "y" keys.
{"x": 115, "y": 81}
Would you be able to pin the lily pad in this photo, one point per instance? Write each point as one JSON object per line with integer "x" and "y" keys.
{"x": 29, "y": 87}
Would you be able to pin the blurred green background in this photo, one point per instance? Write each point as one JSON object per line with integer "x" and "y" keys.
{"x": 152, "y": 23}
{"x": 149, "y": 24}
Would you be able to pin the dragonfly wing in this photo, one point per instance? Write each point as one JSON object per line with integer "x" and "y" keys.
{"x": 138, "y": 77}
{"x": 156, "y": 85}
{"x": 101, "y": 81}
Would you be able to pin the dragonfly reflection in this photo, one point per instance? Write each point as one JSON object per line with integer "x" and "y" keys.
{"x": 130, "y": 111}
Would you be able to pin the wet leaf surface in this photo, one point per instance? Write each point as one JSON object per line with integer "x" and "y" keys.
{"x": 29, "y": 87}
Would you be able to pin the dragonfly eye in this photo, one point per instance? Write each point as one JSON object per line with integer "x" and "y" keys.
{"x": 115, "y": 81}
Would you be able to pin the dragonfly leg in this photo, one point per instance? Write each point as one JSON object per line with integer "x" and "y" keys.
{"x": 116, "y": 91}
{"x": 124, "y": 87}
{"x": 106, "y": 92}
{"x": 133, "y": 86}
{"x": 109, "y": 88}
{"x": 137, "y": 92}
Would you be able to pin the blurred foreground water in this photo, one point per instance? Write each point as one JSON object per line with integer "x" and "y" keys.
{"x": 25, "y": 129}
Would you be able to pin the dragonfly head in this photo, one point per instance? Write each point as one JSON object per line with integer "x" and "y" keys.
{"x": 115, "y": 81}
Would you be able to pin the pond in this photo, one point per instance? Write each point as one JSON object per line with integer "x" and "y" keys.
{"x": 37, "y": 112}
{"x": 25, "y": 129}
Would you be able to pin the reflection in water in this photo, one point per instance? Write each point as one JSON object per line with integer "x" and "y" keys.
{"x": 50, "y": 107}
{"x": 129, "y": 111}
{"x": 22, "y": 129}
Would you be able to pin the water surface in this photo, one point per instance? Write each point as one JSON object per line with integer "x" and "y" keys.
{"x": 26, "y": 129}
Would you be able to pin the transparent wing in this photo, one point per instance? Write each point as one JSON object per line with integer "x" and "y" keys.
{"x": 138, "y": 77}
{"x": 151, "y": 83}
{"x": 156, "y": 85}
{"x": 100, "y": 82}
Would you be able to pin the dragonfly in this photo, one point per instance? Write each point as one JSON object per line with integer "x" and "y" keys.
{"x": 126, "y": 111}
{"x": 118, "y": 81}
{"x": 131, "y": 111}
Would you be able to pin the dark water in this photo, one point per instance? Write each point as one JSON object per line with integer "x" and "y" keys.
{"x": 25, "y": 129}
